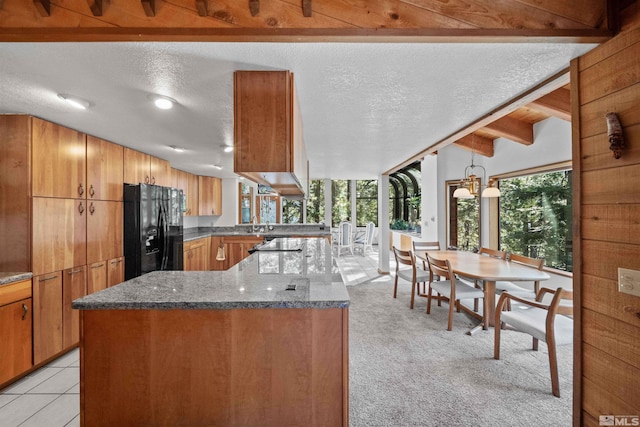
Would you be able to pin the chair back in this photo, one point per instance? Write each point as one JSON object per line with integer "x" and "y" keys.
{"x": 345, "y": 235}
{"x": 536, "y": 263}
{"x": 426, "y": 246}
{"x": 403, "y": 257}
{"x": 556, "y": 306}
{"x": 368, "y": 234}
{"x": 440, "y": 267}
{"x": 493, "y": 253}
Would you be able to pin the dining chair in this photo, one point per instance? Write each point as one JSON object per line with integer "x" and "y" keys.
{"x": 514, "y": 289}
{"x": 345, "y": 237}
{"x": 495, "y": 253}
{"x": 544, "y": 322}
{"x": 367, "y": 239}
{"x": 424, "y": 246}
{"x": 412, "y": 274}
{"x": 452, "y": 288}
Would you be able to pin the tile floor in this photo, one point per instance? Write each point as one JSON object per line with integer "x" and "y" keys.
{"x": 47, "y": 397}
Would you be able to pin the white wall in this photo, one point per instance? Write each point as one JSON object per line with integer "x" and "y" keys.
{"x": 552, "y": 145}
{"x": 429, "y": 198}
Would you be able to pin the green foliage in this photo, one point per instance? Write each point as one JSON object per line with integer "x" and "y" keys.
{"x": 366, "y": 202}
{"x": 315, "y": 202}
{"x": 341, "y": 202}
{"x": 291, "y": 211}
{"x": 399, "y": 224}
{"x": 535, "y": 217}
{"x": 468, "y": 230}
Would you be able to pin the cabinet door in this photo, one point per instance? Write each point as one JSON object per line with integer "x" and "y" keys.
{"x": 74, "y": 286}
{"x": 205, "y": 195}
{"x": 58, "y": 161}
{"x": 192, "y": 194}
{"x": 104, "y": 230}
{"x": 15, "y": 334}
{"x": 136, "y": 167}
{"x": 160, "y": 171}
{"x": 179, "y": 180}
{"x": 97, "y": 277}
{"x": 105, "y": 169}
{"x": 214, "y": 264}
{"x": 115, "y": 271}
{"x": 59, "y": 234}
{"x": 47, "y": 316}
{"x": 196, "y": 255}
{"x": 217, "y": 196}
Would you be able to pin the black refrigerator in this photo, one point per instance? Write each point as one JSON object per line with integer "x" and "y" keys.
{"x": 152, "y": 229}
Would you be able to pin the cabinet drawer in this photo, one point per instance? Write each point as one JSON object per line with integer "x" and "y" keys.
{"x": 15, "y": 292}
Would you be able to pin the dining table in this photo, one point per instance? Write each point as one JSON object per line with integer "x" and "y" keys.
{"x": 488, "y": 269}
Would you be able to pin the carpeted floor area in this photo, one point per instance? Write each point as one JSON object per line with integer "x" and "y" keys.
{"x": 407, "y": 370}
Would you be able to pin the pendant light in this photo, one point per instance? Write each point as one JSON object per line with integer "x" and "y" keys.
{"x": 469, "y": 186}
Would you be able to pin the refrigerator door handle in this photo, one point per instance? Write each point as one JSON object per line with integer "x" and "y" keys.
{"x": 165, "y": 236}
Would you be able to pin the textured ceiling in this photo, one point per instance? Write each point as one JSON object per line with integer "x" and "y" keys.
{"x": 365, "y": 107}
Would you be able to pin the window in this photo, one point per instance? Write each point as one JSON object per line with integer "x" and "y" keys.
{"x": 366, "y": 202}
{"x": 341, "y": 202}
{"x": 535, "y": 217}
{"x": 463, "y": 228}
{"x": 291, "y": 211}
{"x": 315, "y": 202}
{"x": 404, "y": 197}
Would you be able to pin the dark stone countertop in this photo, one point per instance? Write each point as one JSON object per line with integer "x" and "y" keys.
{"x": 6, "y": 278}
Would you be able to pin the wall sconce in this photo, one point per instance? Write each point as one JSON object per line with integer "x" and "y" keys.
{"x": 221, "y": 255}
{"x": 616, "y": 138}
{"x": 469, "y": 186}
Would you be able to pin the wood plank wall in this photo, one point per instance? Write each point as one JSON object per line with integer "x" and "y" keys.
{"x": 607, "y": 79}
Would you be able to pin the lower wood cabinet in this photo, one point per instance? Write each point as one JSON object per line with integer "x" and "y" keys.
{"x": 47, "y": 316}
{"x": 97, "y": 277}
{"x": 238, "y": 248}
{"x": 16, "y": 320}
{"x": 74, "y": 286}
{"x": 196, "y": 255}
{"x": 115, "y": 271}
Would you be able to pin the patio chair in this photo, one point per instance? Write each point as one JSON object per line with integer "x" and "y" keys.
{"x": 366, "y": 240}
{"x": 544, "y": 322}
{"x": 413, "y": 274}
{"x": 345, "y": 237}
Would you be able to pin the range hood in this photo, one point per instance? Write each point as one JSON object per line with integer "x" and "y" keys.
{"x": 269, "y": 146}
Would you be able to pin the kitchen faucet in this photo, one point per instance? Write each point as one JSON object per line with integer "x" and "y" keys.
{"x": 254, "y": 226}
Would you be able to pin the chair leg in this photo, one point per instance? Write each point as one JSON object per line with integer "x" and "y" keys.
{"x": 395, "y": 287}
{"x": 553, "y": 366}
{"x": 475, "y": 300}
{"x": 496, "y": 341}
{"x": 413, "y": 293}
{"x": 535, "y": 344}
{"x": 429, "y": 300}
{"x": 450, "y": 324}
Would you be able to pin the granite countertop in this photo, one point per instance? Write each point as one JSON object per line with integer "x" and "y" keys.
{"x": 259, "y": 281}
{"x": 246, "y": 230}
{"x": 11, "y": 277}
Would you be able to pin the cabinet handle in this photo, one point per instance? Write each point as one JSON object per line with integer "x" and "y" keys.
{"x": 97, "y": 266}
{"x": 25, "y": 310}
{"x": 48, "y": 278}
{"x": 80, "y": 189}
{"x": 146, "y": 179}
{"x": 76, "y": 271}
{"x": 92, "y": 192}
{"x": 153, "y": 179}
{"x": 81, "y": 208}
{"x": 92, "y": 209}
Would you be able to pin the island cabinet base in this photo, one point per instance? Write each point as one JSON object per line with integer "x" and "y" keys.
{"x": 239, "y": 367}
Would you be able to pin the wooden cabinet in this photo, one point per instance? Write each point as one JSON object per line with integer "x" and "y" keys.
{"x": 97, "y": 277}
{"x": 196, "y": 255}
{"x": 188, "y": 183}
{"x": 58, "y": 161}
{"x": 237, "y": 248}
{"x": 47, "y": 316}
{"x": 214, "y": 264}
{"x": 269, "y": 145}
{"x": 105, "y": 169}
{"x": 142, "y": 168}
{"x": 16, "y": 319}
{"x": 115, "y": 271}
{"x": 74, "y": 286}
{"x": 104, "y": 230}
{"x": 245, "y": 203}
{"x": 59, "y": 234}
{"x": 209, "y": 195}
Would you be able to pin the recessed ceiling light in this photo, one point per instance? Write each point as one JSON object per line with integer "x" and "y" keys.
{"x": 79, "y": 103}
{"x": 217, "y": 166}
{"x": 227, "y": 148}
{"x": 177, "y": 149}
{"x": 163, "y": 102}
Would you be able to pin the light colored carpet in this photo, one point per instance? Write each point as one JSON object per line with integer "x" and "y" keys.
{"x": 407, "y": 370}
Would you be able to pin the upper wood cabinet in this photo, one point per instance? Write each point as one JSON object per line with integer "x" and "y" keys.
{"x": 105, "y": 169}
{"x": 269, "y": 145}
{"x": 105, "y": 229}
{"x": 188, "y": 183}
{"x": 209, "y": 195}
{"x": 58, "y": 161}
{"x": 142, "y": 168}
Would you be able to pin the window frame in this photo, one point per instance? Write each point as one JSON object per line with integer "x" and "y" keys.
{"x": 449, "y": 188}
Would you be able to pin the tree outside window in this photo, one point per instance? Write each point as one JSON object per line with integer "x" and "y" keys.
{"x": 341, "y": 202}
{"x": 315, "y": 202}
{"x": 366, "y": 202}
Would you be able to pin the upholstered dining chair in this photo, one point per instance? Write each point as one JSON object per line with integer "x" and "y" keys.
{"x": 495, "y": 253}
{"x": 367, "y": 239}
{"x": 411, "y": 274}
{"x": 424, "y": 246}
{"x": 452, "y": 288}
{"x": 514, "y": 289}
{"x": 345, "y": 237}
{"x": 544, "y": 322}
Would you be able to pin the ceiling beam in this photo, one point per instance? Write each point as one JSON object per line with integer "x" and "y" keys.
{"x": 477, "y": 144}
{"x": 96, "y": 7}
{"x": 43, "y": 7}
{"x": 306, "y": 8}
{"x": 512, "y": 129}
{"x": 201, "y": 6}
{"x": 149, "y": 7}
{"x": 556, "y": 104}
{"x": 254, "y": 7}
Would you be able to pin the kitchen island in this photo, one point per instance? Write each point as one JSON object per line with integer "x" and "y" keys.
{"x": 224, "y": 348}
